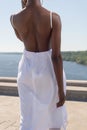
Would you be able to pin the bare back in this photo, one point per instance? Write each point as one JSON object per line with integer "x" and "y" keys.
{"x": 34, "y": 28}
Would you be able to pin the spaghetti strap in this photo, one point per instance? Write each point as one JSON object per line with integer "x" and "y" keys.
{"x": 51, "y": 19}
{"x": 12, "y": 20}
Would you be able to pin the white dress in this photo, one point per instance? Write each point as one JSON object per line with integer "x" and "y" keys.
{"x": 38, "y": 92}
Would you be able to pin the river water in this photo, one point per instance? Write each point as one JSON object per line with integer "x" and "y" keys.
{"x": 9, "y": 63}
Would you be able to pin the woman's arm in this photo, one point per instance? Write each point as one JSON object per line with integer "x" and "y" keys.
{"x": 57, "y": 58}
{"x": 12, "y": 23}
{"x": 23, "y": 2}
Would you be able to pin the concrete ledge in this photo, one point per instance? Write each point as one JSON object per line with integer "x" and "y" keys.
{"x": 8, "y": 89}
{"x": 76, "y": 90}
{"x": 79, "y": 83}
{"x": 76, "y": 93}
{"x": 8, "y": 79}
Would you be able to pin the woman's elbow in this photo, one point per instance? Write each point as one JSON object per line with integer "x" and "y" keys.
{"x": 56, "y": 58}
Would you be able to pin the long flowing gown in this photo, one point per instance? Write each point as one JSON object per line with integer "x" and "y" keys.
{"x": 38, "y": 92}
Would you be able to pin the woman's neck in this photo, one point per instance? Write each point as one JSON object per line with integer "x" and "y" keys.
{"x": 34, "y": 2}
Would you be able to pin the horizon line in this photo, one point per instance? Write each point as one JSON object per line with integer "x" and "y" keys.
{"x": 31, "y": 51}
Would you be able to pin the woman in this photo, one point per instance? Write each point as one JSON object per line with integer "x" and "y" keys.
{"x": 41, "y": 80}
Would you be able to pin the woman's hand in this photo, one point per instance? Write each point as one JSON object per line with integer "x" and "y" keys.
{"x": 62, "y": 98}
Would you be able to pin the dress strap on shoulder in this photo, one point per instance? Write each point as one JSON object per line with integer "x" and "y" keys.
{"x": 51, "y": 19}
{"x": 11, "y": 19}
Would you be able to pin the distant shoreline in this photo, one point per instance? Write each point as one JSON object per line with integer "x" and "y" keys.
{"x": 79, "y": 57}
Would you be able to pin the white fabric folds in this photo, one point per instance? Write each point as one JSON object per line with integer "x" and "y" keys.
{"x": 38, "y": 92}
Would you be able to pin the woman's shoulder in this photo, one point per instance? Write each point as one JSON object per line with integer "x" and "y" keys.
{"x": 18, "y": 13}
{"x": 56, "y": 19}
{"x": 54, "y": 14}
{"x": 16, "y": 16}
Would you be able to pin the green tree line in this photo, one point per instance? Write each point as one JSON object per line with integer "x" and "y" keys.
{"x": 78, "y": 56}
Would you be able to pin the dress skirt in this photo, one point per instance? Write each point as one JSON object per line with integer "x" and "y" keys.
{"x": 38, "y": 92}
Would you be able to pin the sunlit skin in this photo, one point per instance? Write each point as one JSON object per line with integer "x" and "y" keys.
{"x": 32, "y": 27}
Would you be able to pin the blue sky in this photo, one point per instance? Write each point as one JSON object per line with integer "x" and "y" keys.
{"x": 73, "y": 15}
